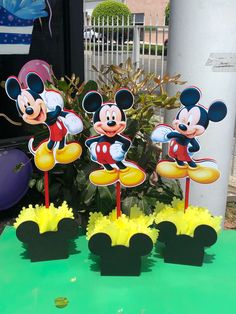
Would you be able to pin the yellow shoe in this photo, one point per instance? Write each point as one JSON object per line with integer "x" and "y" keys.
{"x": 171, "y": 170}
{"x": 104, "y": 177}
{"x": 69, "y": 153}
{"x": 44, "y": 158}
{"x": 131, "y": 176}
{"x": 203, "y": 174}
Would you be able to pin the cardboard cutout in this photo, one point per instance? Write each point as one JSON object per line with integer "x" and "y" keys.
{"x": 16, "y": 24}
{"x": 191, "y": 121}
{"x": 36, "y": 105}
{"x": 109, "y": 149}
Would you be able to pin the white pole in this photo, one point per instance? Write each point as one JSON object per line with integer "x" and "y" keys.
{"x": 202, "y": 48}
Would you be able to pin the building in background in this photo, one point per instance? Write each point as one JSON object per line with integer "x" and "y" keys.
{"x": 150, "y": 9}
{"x": 146, "y": 12}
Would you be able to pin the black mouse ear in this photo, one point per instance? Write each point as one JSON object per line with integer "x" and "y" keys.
{"x": 35, "y": 82}
{"x": 141, "y": 244}
{"x": 99, "y": 243}
{"x": 190, "y": 96}
{"x": 217, "y": 111}
{"x": 206, "y": 235}
{"x": 167, "y": 231}
{"x": 27, "y": 231}
{"x": 92, "y": 101}
{"x": 12, "y": 87}
{"x": 68, "y": 228}
{"x": 124, "y": 99}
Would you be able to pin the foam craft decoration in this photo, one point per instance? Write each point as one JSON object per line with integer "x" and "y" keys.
{"x": 47, "y": 233}
{"x": 191, "y": 121}
{"x": 13, "y": 183}
{"x": 121, "y": 229}
{"x": 120, "y": 242}
{"x": 185, "y": 233}
{"x": 42, "y": 68}
{"x": 49, "y": 245}
{"x": 16, "y": 24}
{"x": 109, "y": 149}
{"x": 184, "y": 249}
{"x": 120, "y": 260}
{"x": 37, "y": 105}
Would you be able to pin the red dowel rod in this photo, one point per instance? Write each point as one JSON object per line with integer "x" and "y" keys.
{"x": 187, "y": 189}
{"x": 118, "y": 199}
{"x": 46, "y": 189}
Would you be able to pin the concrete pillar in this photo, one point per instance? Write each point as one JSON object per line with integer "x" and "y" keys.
{"x": 202, "y": 48}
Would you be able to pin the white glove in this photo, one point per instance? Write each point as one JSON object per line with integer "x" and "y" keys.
{"x": 92, "y": 149}
{"x": 73, "y": 123}
{"x": 160, "y": 134}
{"x": 116, "y": 151}
{"x": 52, "y": 100}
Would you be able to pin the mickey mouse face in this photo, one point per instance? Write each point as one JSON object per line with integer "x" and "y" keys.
{"x": 193, "y": 119}
{"x": 33, "y": 111}
{"x": 187, "y": 122}
{"x": 108, "y": 118}
{"x": 29, "y": 103}
{"x": 110, "y": 121}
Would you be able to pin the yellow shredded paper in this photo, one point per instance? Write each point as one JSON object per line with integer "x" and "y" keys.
{"x": 46, "y": 218}
{"x": 187, "y": 221}
{"x": 122, "y": 229}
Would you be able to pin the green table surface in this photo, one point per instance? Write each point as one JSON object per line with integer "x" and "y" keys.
{"x": 31, "y": 288}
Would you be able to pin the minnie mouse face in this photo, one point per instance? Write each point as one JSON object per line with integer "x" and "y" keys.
{"x": 108, "y": 118}
{"x": 29, "y": 103}
{"x": 193, "y": 119}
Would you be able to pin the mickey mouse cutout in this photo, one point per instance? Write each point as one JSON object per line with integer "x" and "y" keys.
{"x": 39, "y": 106}
{"x": 109, "y": 149}
{"x": 191, "y": 121}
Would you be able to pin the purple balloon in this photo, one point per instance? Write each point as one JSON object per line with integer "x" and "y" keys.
{"x": 13, "y": 183}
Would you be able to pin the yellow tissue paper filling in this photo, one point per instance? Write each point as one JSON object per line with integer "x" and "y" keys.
{"x": 187, "y": 221}
{"x": 46, "y": 218}
{"x": 123, "y": 228}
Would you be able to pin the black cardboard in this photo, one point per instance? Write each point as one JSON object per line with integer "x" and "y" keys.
{"x": 50, "y": 245}
{"x": 184, "y": 249}
{"x": 120, "y": 260}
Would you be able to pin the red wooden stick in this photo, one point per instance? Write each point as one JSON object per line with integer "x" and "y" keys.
{"x": 118, "y": 199}
{"x": 46, "y": 189}
{"x": 187, "y": 188}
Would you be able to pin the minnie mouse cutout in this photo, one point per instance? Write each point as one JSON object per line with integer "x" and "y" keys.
{"x": 36, "y": 105}
{"x": 109, "y": 149}
{"x": 191, "y": 121}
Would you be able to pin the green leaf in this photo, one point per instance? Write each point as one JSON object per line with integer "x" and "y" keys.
{"x": 89, "y": 194}
{"x": 18, "y": 167}
{"x": 129, "y": 202}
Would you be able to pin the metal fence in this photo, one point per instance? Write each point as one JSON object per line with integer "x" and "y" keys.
{"x": 112, "y": 42}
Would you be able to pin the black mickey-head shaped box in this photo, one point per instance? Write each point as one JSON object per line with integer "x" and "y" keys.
{"x": 50, "y": 245}
{"x": 184, "y": 249}
{"x": 120, "y": 260}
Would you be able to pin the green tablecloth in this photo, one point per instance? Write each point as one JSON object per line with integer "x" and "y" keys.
{"x": 30, "y": 288}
